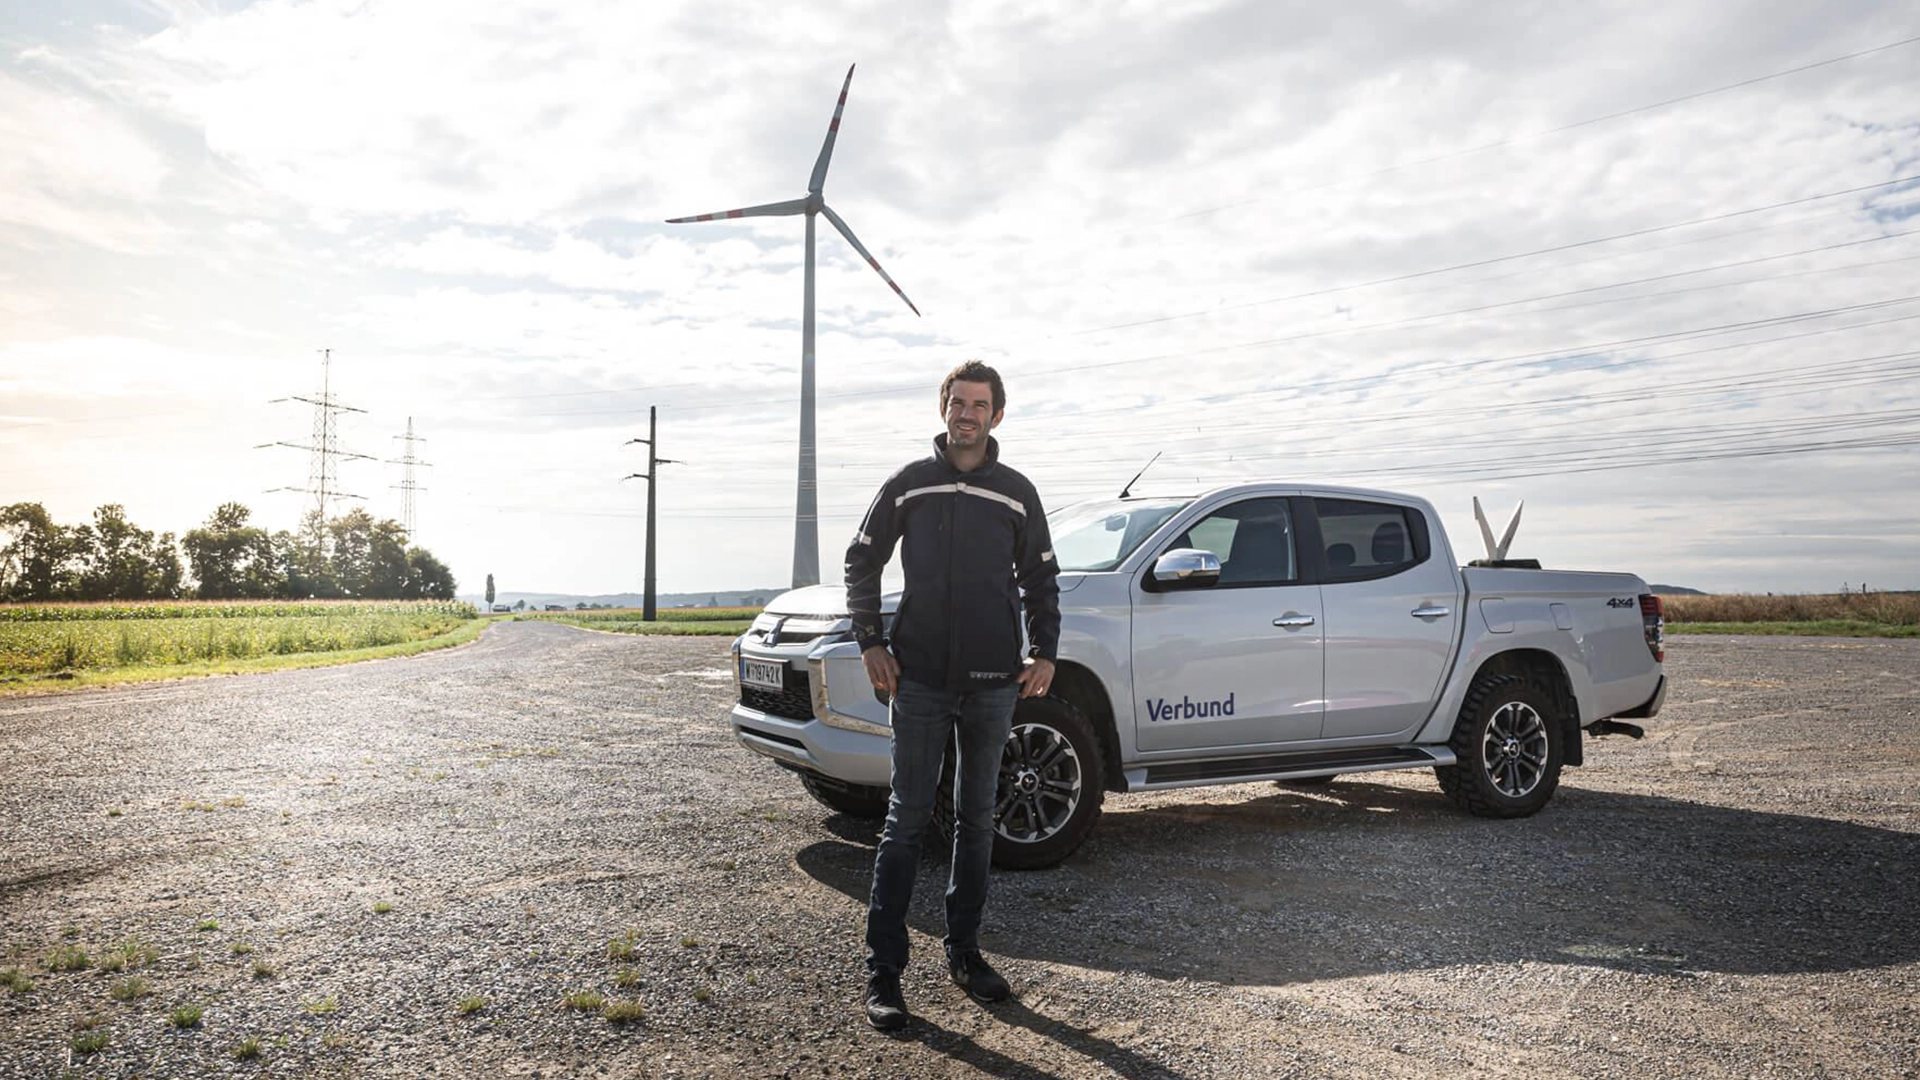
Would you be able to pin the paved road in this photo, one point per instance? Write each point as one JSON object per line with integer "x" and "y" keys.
{"x": 1732, "y": 897}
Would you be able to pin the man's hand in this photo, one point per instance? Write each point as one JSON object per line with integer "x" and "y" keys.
{"x": 1036, "y": 678}
{"x": 883, "y": 671}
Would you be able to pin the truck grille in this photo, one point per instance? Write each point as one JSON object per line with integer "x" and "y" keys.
{"x": 793, "y": 701}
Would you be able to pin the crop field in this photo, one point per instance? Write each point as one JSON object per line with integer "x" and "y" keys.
{"x": 1841, "y": 615}
{"x": 716, "y": 622}
{"x": 56, "y": 638}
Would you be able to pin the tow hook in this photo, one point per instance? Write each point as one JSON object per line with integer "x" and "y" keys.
{"x": 1615, "y": 727}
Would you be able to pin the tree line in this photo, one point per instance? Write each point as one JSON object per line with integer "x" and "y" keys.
{"x": 354, "y": 556}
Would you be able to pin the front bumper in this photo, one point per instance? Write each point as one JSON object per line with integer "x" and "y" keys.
{"x": 846, "y": 737}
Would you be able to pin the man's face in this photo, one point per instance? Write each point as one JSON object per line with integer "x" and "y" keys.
{"x": 970, "y": 414}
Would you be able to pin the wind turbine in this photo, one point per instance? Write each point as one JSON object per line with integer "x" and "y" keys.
{"x": 806, "y": 529}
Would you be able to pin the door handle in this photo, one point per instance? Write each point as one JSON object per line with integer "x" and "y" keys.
{"x": 1430, "y": 611}
{"x": 1294, "y": 622}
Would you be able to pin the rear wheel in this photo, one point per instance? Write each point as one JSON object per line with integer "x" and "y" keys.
{"x": 1508, "y": 747}
{"x": 1052, "y": 784}
{"x": 853, "y": 800}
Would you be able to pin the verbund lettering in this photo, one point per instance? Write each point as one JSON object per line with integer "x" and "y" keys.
{"x": 1186, "y": 708}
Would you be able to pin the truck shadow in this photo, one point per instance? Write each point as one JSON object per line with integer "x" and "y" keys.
{"x": 1363, "y": 878}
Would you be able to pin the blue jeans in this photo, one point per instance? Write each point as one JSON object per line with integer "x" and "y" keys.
{"x": 924, "y": 722}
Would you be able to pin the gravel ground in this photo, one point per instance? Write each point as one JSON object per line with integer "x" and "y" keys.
{"x": 1733, "y": 897}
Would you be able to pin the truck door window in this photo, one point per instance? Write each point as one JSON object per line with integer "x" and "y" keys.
{"x": 1253, "y": 539}
{"x": 1369, "y": 540}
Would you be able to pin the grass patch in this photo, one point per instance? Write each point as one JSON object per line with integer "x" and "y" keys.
{"x": 131, "y": 953}
{"x": 16, "y": 980}
{"x": 326, "y": 1006}
{"x": 129, "y": 989}
{"x": 621, "y": 948}
{"x": 186, "y": 1016}
{"x": 470, "y": 1004}
{"x": 68, "y": 958}
{"x": 91, "y": 1042}
{"x": 208, "y": 924}
{"x": 115, "y": 812}
{"x": 689, "y": 942}
{"x": 703, "y": 995}
{"x": 16, "y": 680}
{"x": 626, "y": 976}
{"x": 583, "y": 1001}
{"x": 381, "y": 907}
{"x": 240, "y": 948}
{"x": 1811, "y": 628}
{"x": 334, "y": 1040}
{"x": 263, "y": 970}
{"x": 246, "y": 1049}
{"x": 110, "y": 963}
{"x": 624, "y": 1012}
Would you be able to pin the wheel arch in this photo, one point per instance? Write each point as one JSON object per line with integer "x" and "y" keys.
{"x": 1081, "y": 688}
{"x": 1545, "y": 668}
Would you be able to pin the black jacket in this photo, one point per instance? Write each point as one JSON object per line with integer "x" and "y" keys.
{"x": 973, "y": 545}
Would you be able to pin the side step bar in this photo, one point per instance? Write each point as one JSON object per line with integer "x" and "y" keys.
{"x": 1286, "y": 766}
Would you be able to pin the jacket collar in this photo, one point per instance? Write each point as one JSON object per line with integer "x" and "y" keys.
{"x": 940, "y": 455}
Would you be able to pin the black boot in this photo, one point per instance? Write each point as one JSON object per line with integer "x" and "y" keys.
{"x": 971, "y": 972}
{"x": 886, "y": 1008}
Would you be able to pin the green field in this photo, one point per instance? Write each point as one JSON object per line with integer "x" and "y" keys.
{"x": 50, "y": 644}
{"x": 716, "y": 622}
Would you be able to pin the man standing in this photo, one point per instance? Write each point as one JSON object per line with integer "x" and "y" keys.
{"x": 974, "y": 545}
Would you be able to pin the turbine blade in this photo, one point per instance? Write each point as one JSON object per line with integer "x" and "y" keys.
{"x": 871, "y": 261}
{"x": 1512, "y": 527}
{"x": 1486, "y": 531}
{"x": 819, "y": 178}
{"x": 772, "y": 209}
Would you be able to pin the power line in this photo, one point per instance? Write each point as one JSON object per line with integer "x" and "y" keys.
{"x": 1513, "y": 140}
{"x": 323, "y": 481}
{"x": 406, "y": 486}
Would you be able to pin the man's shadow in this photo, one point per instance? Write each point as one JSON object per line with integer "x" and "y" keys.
{"x": 1110, "y": 1055}
{"x": 1364, "y": 878}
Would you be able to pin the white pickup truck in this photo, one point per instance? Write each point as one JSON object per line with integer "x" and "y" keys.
{"x": 1258, "y": 632}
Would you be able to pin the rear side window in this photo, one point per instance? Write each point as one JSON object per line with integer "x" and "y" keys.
{"x": 1253, "y": 539}
{"x": 1362, "y": 540}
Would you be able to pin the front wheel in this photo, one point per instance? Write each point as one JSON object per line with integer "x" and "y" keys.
{"x": 1508, "y": 747}
{"x": 1052, "y": 784}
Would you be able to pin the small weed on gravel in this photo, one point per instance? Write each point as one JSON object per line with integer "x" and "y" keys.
{"x": 185, "y": 1016}
{"x": 240, "y": 948}
{"x": 326, "y": 1006}
{"x": 624, "y": 1012}
{"x": 89, "y": 1022}
{"x": 89, "y": 1042}
{"x": 471, "y": 1004}
{"x": 689, "y": 942}
{"x": 263, "y": 970}
{"x": 246, "y": 1049}
{"x": 208, "y": 924}
{"x": 16, "y": 980}
{"x": 382, "y": 907}
{"x": 129, "y": 989}
{"x": 334, "y": 1040}
{"x": 583, "y": 1001}
{"x": 111, "y": 962}
{"x": 68, "y": 958}
{"x": 115, "y": 812}
{"x": 703, "y": 995}
{"x": 132, "y": 953}
{"x": 621, "y": 948}
{"x": 626, "y": 976}
{"x": 233, "y": 803}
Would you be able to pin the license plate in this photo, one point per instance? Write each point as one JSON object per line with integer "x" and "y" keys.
{"x": 764, "y": 674}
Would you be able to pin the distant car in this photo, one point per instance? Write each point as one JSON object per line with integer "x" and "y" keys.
{"x": 501, "y": 607}
{"x": 556, "y": 607}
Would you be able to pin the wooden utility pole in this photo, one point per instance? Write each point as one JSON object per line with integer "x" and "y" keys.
{"x": 654, "y": 461}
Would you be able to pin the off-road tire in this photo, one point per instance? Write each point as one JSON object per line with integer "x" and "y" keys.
{"x": 1513, "y": 771}
{"x": 1043, "y": 723}
{"x": 854, "y": 800}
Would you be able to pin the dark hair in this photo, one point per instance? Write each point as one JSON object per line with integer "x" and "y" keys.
{"x": 974, "y": 371}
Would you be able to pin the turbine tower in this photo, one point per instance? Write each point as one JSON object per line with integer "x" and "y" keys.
{"x": 806, "y": 517}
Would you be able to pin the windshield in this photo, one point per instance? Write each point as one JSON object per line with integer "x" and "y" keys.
{"x": 1100, "y": 535}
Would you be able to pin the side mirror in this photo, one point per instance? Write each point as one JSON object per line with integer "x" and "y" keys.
{"x": 1186, "y": 568}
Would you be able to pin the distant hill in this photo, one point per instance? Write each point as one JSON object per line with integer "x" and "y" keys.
{"x": 728, "y": 598}
{"x": 1675, "y": 590}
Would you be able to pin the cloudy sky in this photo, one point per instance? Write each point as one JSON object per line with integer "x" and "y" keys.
{"x": 1561, "y": 256}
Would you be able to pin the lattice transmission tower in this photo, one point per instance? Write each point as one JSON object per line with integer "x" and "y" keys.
{"x": 323, "y": 470}
{"x": 406, "y": 486}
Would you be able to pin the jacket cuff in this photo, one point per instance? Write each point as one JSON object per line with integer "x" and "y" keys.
{"x": 1050, "y": 654}
{"x": 868, "y": 639}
